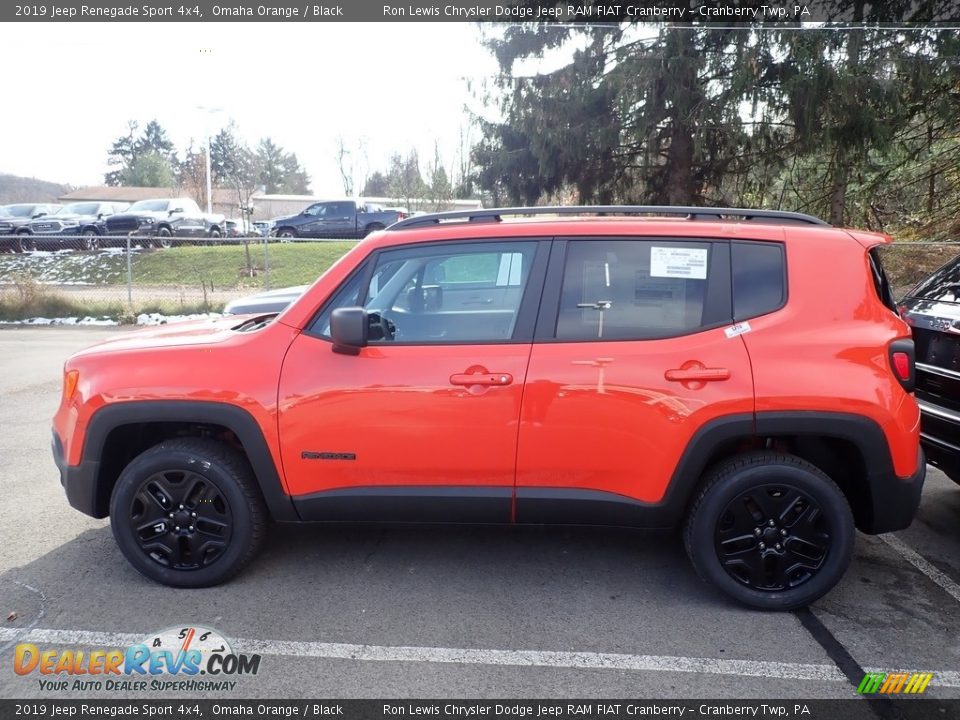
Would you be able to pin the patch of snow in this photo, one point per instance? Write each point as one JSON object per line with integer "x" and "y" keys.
{"x": 158, "y": 319}
{"x": 105, "y": 322}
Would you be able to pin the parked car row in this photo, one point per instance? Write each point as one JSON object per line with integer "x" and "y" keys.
{"x": 163, "y": 222}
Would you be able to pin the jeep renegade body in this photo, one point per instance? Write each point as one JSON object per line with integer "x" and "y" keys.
{"x": 743, "y": 374}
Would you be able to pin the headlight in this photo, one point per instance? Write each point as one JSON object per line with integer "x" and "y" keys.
{"x": 144, "y": 221}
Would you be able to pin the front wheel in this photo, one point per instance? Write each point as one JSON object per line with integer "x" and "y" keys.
{"x": 25, "y": 243}
{"x": 90, "y": 240}
{"x": 286, "y": 234}
{"x": 188, "y": 513}
{"x": 164, "y": 238}
{"x": 770, "y": 530}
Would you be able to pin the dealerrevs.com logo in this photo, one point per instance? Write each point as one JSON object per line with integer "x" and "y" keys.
{"x": 184, "y": 659}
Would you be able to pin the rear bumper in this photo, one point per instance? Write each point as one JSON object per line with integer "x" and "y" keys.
{"x": 79, "y": 483}
{"x": 895, "y": 500}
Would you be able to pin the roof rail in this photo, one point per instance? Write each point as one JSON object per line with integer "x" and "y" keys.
{"x": 689, "y": 213}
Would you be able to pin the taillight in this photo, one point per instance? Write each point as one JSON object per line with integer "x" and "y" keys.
{"x": 903, "y": 363}
{"x": 401, "y": 216}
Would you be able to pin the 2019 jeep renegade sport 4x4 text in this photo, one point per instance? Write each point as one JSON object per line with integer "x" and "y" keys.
{"x": 741, "y": 373}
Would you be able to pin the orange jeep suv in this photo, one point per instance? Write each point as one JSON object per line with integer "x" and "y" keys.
{"x": 743, "y": 374}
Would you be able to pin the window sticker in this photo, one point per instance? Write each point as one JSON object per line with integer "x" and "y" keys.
{"x": 739, "y": 329}
{"x": 669, "y": 262}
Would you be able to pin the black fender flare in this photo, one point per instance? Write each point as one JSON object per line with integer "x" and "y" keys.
{"x": 240, "y": 422}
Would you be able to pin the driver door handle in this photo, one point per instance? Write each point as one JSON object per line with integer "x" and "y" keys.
{"x": 700, "y": 374}
{"x": 481, "y": 379}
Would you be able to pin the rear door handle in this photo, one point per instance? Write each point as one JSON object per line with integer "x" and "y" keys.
{"x": 697, "y": 374}
{"x": 481, "y": 379}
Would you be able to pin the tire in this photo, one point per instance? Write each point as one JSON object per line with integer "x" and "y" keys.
{"x": 25, "y": 243}
{"x": 214, "y": 234}
{"x": 286, "y": 234}
{"x": 164, "y": 238}
{"x": 90, "y": 240}
{"x": 372, "y": 228}
{"x": 201, "y": 476}
{"x": 728, "y": 533}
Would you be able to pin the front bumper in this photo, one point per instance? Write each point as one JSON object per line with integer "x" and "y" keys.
{"x": 80, "y": 482}
{"x": 940, "y": 437}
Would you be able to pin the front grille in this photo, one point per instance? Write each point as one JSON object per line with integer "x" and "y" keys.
{"x": 941, "y": 349}
{"x": 46, "y": 227}
{"x": 122, "y": 225}
{"x": 6, "y": 228}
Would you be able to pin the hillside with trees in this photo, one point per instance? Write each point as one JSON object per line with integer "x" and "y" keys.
{"x": 861, "y": 126}
{"x": 15, "y": 189}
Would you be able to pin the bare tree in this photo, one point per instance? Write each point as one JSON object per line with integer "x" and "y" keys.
{"x": 345, "y": 163}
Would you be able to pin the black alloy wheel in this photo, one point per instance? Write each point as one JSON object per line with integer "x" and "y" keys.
{"x": 772, "y": 537}
{"x": 182, "y": 519}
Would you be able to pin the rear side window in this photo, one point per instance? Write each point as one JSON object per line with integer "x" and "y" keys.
{"x": 637, "y": 289}
{"x": 759, "y": 278}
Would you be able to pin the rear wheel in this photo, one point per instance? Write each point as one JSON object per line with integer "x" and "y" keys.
{"x": 187, "y": 512}
{"x": 286, "y": 234}
{"x": 770, "y": 530}
{"x": 372, "y": 228}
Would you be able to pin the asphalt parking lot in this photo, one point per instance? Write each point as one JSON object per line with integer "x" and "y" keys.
{"x": 368, "y": 611}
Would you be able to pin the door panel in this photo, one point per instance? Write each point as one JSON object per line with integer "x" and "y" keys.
{"x": 400, "y": 415}
{"x": 602, "y": 416}
{"x": 632, "y": 358}
{"x": 423, "y": 421}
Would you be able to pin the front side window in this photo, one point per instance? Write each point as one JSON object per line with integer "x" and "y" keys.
{"x": 633, "y": 289}
{"x": 467, "y": 293}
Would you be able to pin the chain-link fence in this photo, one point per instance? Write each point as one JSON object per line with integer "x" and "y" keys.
{"x": 99, "y": 279}
{"x": 118, "y": 278}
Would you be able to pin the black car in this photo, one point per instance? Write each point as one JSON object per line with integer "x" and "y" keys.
{"x": 79, "y": 225}
{"x": 14, "y": 219}
{"x": 933, "y": 310}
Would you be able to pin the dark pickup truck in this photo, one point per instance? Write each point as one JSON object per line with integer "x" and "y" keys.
{"x": 336, "y": 219}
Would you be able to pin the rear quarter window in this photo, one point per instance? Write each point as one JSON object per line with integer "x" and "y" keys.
{"x": 759, "y": 278}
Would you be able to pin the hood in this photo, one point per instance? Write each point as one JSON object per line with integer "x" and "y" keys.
{"x": 153, "y": 214}
{"x": 207, "y": 331}
{"x": 62, "y": 219}
{"x": 18, "y": 222}
{"x": 272, "y": 301}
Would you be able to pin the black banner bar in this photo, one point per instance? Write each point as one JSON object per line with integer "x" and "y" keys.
{"x": 185, "y": 709}
{"x": 683, "y": 12}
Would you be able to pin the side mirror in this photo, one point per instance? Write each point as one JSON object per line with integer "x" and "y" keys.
{"x": 39, "y": 214}
{"x": 175, "y": 211}
{"x": 348, "y": 328}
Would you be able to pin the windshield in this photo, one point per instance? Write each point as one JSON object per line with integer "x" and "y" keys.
{"x": 79, "y": 209}
{"x": 20, "y": 211}
{"x": 150, "y": 205}
{"x": 943, "y": 285}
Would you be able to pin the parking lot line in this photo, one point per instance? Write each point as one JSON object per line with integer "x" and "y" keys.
{"x": 474, "y": 656}
{"x": 922, "y": 564}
